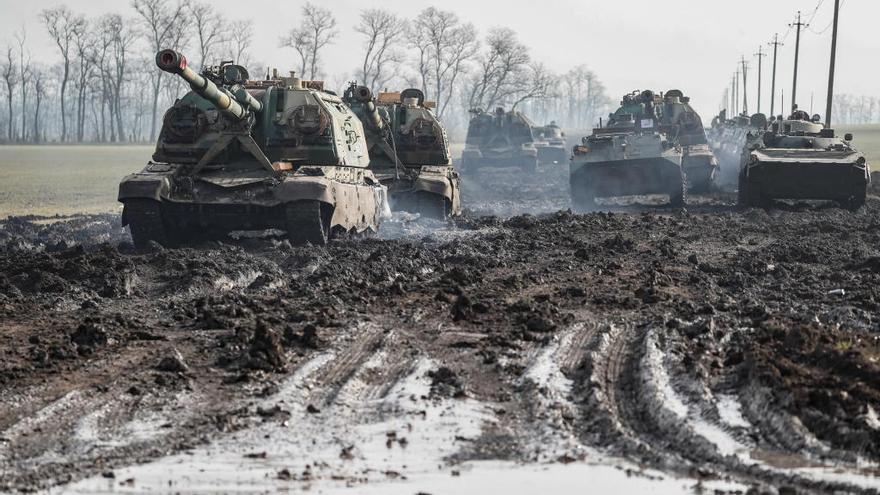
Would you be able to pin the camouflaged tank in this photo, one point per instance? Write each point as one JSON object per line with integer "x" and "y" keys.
{"x": 500, "y": 139}
{"x": 239, "y": 155}
{"x": 798, "y": 158}
{"x": 634, "y": 154}
{"x": 409, "y": 151}
{"x": 686, "y": 128}
{"x": 550, "y": 142}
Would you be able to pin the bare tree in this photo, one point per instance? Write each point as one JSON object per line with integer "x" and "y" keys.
{"x": 61, "y": 24}
{"x": 316, "y": 31}
{"x": 210, "y": 28}
{"x": 121, "y": 35}
{"x": 502, "y": 70}
{"x": 162, "y": 24}
{"x": 85, "y": 42}
{"x": 10, "y": 77}
{"x": 241, "y": 38}
{"x": 535, "y": 82}
{"x": 24, "y": 76}
{"x": 444, "y": 46}
{"x": 39, "y": 94}
{"x": 383, "y": 30}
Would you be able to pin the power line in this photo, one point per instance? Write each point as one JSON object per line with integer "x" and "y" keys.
{"x": 830, "y": 23}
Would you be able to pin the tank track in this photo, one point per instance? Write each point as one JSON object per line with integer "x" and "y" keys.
{"x": 431, "y": 205}
{"x": 145, "y": 222}
{"x": 307, "y": 222}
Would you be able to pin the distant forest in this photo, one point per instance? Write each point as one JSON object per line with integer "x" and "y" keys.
{"x": 103, "y": 85}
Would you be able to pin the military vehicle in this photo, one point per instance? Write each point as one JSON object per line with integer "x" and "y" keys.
{"x": 239, "y": 155}
{"x": 731, "y": 141}
{"x": 502, "y": 139}
{"x": 550, "y": 142}
{"x": 409, "y": 151}
{"x": 686, "y": 128}
{"x": 634, "y": 154}
{"x": 799, "y": 158}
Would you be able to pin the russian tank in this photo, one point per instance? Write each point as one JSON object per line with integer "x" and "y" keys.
{"x": 550, "y": 142}
{"x": 685, "y": 125}
{"x": 500, "y": 139}
{"x": 632, "y": 155}
{"x": 799, "y": 158}
{"x": 240, "y": 155}
{"x": 409, "y": 151}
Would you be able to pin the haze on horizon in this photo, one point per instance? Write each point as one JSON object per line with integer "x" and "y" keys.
{"x": 630, "y": 44}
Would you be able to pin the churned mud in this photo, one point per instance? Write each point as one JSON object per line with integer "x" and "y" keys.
{"x": 658, "y": 349}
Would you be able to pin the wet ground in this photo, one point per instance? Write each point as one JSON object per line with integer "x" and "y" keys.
{"x": 707, "y": 350}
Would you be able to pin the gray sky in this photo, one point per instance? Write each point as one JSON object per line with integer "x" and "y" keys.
{"x": 631, "y": 44}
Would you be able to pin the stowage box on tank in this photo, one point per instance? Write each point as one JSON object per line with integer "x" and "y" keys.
{"x": 502, "y": 139}
{"x": 409, "y": 151}
{"x": 236, "y": 154}
{"x": 799, "y": 158}
{"x": 634, "y": 154}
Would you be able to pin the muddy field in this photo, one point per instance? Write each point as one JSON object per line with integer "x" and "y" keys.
{"x": 707, "y": 350}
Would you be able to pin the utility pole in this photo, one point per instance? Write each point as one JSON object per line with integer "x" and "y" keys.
{"x": 831, "y": 71}
{"x": 776, "y": 44}
{"x": 736, "y": 86}
{"x": 732, "y": 96}
{"x": 760, "y": 56}
{"x": 745, "y": 69}
{"x": 797, "y": 46}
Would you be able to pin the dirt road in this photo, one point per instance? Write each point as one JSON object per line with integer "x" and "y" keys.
{"x": 672, "y": 350}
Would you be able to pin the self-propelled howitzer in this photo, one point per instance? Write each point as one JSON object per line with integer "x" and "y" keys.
{"x": 236, "y": 154}
{"x": 409, "y": 151}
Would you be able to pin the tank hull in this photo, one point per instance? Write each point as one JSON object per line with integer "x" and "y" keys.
{"x": 700, "y": 168}
{"x": 629, "y": 177}
{"x": 552, "y": 154}
{"x": 805, "y": 175}
{"x": 432, "y": 191}
{"x": 350, "y": 199}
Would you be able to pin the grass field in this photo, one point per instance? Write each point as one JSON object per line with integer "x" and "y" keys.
{"x": 50, "y": 180}
{"x": 867, "y": 139}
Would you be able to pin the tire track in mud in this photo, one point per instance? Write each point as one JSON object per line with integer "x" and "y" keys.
{"x": 636, "y": 412}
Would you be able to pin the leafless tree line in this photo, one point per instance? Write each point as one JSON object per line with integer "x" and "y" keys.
{"x": 104, "y": 87}
{"x": 851, "y": 109}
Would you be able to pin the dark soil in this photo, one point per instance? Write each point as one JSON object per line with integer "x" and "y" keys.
{"x": 781, "y": 305}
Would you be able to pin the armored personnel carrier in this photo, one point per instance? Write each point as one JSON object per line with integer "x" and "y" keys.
{"x": 409, "y": 151}
{"x": 502, "y": 139}
{"x": 685, "y": 126}
{"x": 634, "y": 154}
{"x": 799, "y": 158}
{"x": 550, "y": 142}
{"x": 236, "y": 154}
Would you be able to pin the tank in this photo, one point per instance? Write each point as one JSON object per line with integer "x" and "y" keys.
{"x": 798, "y": 158}
{"x": 634, "y": 154}
{"x": 241, "y": 155}
{"x": 550, "y": 142}
{"x": 731, "y": 141}
{"x": 686, "y": 128}
{"x": 409, "y": 151}
{"x": 500, "y": 139}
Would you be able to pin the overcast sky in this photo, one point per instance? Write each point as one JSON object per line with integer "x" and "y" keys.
{"x": 631, "y": 44}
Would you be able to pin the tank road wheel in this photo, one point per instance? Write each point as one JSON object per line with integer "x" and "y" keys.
{"x": 431, "y": 205}
{"x": 678, "y": 195}
{"x": 144, "y": 218}
{"x": 308, "y": 222}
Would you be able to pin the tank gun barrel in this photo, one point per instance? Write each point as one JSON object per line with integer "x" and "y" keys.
{"x": 365, "y": 96}
{"x": 230, "y": 103}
